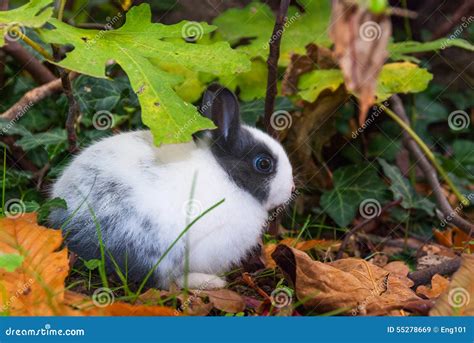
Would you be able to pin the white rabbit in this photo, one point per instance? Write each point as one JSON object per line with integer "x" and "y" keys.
{"x": 139, "y": 195}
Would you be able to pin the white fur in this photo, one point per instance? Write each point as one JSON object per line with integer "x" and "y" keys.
{"x": 161, "y": 180}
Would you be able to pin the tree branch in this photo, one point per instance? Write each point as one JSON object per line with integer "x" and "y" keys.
{"x": 38, "y": 71}
{"x": 73, "y": 111}
{"x": 272, "y": 63}
{"x": 424, "y": 276}
{"x": 32, "y": 97}
{"x": 450, "y": 215}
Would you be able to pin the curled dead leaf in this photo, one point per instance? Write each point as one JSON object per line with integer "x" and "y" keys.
{"x": 352, "y": 286}
{"x": 226, "y": 300}
{"x": 360, "y": 39}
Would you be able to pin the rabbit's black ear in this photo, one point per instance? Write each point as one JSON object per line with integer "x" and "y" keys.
{"x": 221, "y": 106}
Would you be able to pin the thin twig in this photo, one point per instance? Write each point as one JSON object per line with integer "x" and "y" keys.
{"x": 37, "y": 70}
{"x": 361, "y": 225}
{"x": 423, "y": 276}
{"x": 430, "y": 174}
{"x": 32, "y": 97}
{"x": 73, "y": 111}
{"x": 414, "y": 137}
{"x": 272, "y": 63}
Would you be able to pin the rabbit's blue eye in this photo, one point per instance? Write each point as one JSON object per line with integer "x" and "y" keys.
{"x": 263, "y": 164}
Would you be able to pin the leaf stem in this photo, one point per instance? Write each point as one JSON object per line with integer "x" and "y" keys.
{"x": 426, "y": 150}
{"x": 62, "y": 4}
{"x": 33, "y": 44}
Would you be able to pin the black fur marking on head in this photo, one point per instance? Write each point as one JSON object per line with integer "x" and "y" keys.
{"x": 236, "y": 156}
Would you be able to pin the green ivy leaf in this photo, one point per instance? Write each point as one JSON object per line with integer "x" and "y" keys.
{"x": 401, "y": 188}
{"x": 252, "y": 111}
{"x": 10, "y": 262}
{"x": 170, "y": 119}
{"x": 28, "y": 15}
{"x": 46, "y": 139}
{"x": 352, "y": 185}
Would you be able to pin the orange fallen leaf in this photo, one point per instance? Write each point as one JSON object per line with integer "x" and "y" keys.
{"x": 36, "y": 288}
{"x": 348, "y": 285}
{"x": 453, "y": 238}
{"x": 438, "y": 285}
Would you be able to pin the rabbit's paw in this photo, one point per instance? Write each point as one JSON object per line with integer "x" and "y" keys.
{"x": 201, "y": 281}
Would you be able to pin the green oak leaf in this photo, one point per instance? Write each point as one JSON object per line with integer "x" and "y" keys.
{"x": 28, "y": 15}
{"x": 132, "y": 46}
{"x": 401, "y": 188}
{"x": 10, "y": 262}
{"x": 352, "y": 185}
{"x": 402, "y": 77}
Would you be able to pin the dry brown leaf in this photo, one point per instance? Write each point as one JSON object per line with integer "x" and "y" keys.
{"x": 458, "y": 298}
{"x": 397, "y": 267}
{"x": 36, "y": 288}
{"x": 360, "y": 39}
{"x": 226, "y": 300}
{"x": 319, "y": 244}
{"x": 453, "y": 238}
{"x": 438, "y": 285}
{"x": 350, "y": 285}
